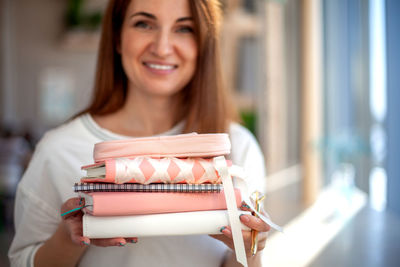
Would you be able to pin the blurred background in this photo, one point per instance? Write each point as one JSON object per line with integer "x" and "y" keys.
{"x": 316, "y": 81}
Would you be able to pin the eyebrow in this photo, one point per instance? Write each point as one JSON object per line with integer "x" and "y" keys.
{"x": 151, "y": 16}
{"x": 184, "y": 19}
{"x": 144, "y": 14}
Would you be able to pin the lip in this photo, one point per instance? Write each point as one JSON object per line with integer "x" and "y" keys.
{"x": 159, "y": 67}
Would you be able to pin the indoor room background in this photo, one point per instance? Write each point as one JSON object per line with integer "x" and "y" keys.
{"x": 316, "y": 81}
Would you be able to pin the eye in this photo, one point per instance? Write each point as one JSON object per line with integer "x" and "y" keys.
{"x": 142, "y": 25}
{"x": 185, "y": 29}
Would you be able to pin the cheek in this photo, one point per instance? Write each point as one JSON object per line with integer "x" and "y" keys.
{"x": 190, "y": 51}
{"x": 129, "y": 56}
{"x": 194, "y": 53}
{"x": 131, "y": 45}
{"x": 128, "y": 50}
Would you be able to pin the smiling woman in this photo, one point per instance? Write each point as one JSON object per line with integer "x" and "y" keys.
{"x": 158, "y": 73}
{"x": 162, "y": 41}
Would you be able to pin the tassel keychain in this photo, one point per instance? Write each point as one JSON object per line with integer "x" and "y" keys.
{"x": 257, "y": 197}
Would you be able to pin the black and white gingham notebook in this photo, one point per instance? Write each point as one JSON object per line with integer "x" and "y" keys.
{"x": 183, "y": 188}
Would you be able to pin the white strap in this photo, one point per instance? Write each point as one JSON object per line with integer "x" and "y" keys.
{"x": 222, "y": 169}
{"x": 241, "y": 183}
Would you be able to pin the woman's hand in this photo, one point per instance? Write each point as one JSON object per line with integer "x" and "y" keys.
{"x": 252, "y": 222}
{"x": 73, "y": 224}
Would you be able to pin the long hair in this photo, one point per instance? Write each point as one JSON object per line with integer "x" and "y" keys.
{"x": 207, "y": 106}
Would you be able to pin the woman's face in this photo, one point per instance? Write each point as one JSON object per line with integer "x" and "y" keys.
{"x": 158, "y": 46}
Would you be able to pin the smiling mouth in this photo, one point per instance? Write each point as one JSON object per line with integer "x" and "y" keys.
{"x": 159, "y": 66}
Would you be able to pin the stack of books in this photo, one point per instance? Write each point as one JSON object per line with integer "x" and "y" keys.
{"x": 155, "y": 186}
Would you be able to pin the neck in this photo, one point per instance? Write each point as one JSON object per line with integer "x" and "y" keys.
{"x": 143, "y": 115}
{"x": 149, "y": 115}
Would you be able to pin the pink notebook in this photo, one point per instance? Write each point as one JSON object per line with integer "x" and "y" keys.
{"x": 146, "y": 170}
{"x": 179, "y": 146}
{"x": 134, "y": 203}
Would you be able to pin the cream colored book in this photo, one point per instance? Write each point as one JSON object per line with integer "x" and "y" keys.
{"x": 167, "y": 224}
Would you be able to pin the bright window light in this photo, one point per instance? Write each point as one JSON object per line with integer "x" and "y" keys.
{"x": 378, "y": 185}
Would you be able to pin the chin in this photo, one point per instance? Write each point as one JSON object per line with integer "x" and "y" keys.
{"x": 163, "y": 90}
{"x": 160, "y": 92}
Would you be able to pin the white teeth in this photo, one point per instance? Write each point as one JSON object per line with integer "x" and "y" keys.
{"x": 160, "y": 67}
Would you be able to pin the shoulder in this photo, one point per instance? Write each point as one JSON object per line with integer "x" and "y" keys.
{"x": 241, "y": 137}
{"x": 66, "y": 136}
{"x": 64, "y": 146}
{"x": 57, "y": 159}
{"x": 244, "y": 144}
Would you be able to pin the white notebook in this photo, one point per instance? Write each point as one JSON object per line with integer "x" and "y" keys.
{"x": 167, "y": 224}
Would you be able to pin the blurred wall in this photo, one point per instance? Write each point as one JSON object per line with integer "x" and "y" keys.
{"x": 32, "y": 43}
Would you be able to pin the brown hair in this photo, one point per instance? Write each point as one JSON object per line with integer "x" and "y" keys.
{"x": 207, "y": 106}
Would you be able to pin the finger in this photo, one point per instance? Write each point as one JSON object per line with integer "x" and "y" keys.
{"x": 75, "y": 229}
{"x": 226, "y": 234}
{"x": 262, "y": 238}
{"x": 71, "y": 207}
{"x": 226, "y": 231}
{"x": 81, "y": 240}
{"x": 247, "y": 236}
{"x": 254, "y": 223}
{"x": 220, "y": 237}
{"x": 109, "y": 242}
{"x": 228, "y": 241}
{"x": 132, "y": 240}
{"x": 244, "y": 206}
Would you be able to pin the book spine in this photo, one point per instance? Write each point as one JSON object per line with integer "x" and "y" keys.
{"x": 183, "y": 188}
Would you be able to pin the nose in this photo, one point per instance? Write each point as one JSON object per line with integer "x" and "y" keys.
{"x": 162, "y": 44}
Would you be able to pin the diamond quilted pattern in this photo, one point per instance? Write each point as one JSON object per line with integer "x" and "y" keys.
{"x": 147, "y": 168}
{"x": 198, "y": 170}
{"x": 173, "y": 170}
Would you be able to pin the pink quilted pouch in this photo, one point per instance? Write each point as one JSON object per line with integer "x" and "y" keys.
{"x": 178, "y": 146}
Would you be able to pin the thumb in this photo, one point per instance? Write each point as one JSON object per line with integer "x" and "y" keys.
{"x": 71, "y": 207}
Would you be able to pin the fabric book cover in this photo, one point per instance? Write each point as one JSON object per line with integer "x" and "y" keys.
{"x": 146, "y": 170}
{"x": 133, "y": 203}
{"x": 180, "y": 146}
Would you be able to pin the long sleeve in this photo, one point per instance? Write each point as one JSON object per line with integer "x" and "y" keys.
{"x": 46, "y": 184}
{"x": 35, "y": 211}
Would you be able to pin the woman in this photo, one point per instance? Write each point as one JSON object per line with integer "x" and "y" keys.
{"x": 158, "y": 73}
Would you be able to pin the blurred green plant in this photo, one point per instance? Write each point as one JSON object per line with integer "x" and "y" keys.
{"x": 249, "y": 120}
{"x": 77, "y": 18}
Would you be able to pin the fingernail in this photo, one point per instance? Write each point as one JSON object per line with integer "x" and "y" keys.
{"x": 222, "y": 228}
{"x": 122, "y": 244}
{"x": 244, "y": 218}
{"x": 245, "y": 206}
{"x": 86, "y": 244}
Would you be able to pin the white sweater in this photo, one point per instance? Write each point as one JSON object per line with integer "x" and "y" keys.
{"x": 55, "y": 167}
